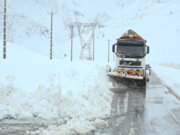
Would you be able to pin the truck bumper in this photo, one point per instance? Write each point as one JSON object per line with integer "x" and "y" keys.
{"x": 115, "y": 74}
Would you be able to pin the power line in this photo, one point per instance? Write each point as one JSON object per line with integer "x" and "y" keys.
{"x": 85, "y": 45}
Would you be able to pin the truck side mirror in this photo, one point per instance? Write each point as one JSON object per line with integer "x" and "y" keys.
{"x": 148, "y": 49}
{"x": 113, "y": 48}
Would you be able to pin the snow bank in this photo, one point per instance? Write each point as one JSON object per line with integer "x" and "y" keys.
{"x": 169, "y": 74}
{"x": 78, "y": 126}
{"x": 33, "y": 86}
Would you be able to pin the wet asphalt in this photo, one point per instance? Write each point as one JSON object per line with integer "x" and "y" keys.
{"x": 143, "y": 111}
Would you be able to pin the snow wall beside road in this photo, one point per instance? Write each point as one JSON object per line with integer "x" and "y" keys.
{"x": 34, "y": 86}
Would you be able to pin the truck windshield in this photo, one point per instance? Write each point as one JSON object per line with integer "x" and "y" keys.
{"x": 131, "y": 51}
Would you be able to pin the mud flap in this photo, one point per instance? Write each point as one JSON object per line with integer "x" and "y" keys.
{"x": 124, "y": 84}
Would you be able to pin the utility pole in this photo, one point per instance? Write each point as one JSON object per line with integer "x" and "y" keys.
{"x": 71, "y": 26}
{"x": 4, "y": 32}
{"x": 51, "y": 35}
{"x": 113, "y": 57}
{"x": 93, "y": 35}
{"x": 108, "y": 51}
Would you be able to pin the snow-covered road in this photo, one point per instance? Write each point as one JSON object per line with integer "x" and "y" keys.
{"x": 136, "y": 112}
{"x": 133, "y": 112}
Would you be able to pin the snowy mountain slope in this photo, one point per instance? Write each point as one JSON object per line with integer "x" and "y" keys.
{"x": 157, "y": 23}
{"x": 29, "y": 24}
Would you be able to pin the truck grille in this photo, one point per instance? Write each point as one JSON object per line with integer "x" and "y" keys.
{"x": 130, "y": 63}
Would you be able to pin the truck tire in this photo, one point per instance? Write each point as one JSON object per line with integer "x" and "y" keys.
{"x": 140, "y": 83}
{"x": 143, "y": 82}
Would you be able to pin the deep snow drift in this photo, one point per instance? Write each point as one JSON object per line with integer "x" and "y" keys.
{"x": 34, "y": 86}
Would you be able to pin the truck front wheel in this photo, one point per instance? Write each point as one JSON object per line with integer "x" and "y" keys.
{"x": 143, "y": 82}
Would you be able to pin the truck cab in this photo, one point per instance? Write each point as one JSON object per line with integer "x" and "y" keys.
{"x": 130, "y": 51}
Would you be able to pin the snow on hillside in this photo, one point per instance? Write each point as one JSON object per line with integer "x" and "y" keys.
{"x": 29, "y": 25}
{"x": 158, "y": 23}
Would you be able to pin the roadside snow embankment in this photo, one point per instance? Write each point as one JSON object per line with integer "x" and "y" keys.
{"x": 169, "y": 74}
{"x": 33, "y": 86}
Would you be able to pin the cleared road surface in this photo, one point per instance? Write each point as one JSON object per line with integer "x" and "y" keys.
{"x": 136, "y": 111}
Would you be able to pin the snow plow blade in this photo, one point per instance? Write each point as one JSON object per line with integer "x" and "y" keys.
{"x": 115, "y": 74}
{"x": 127, "y": 80}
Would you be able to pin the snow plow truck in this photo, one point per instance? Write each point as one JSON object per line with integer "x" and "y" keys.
{"x": 130, "y": 52}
